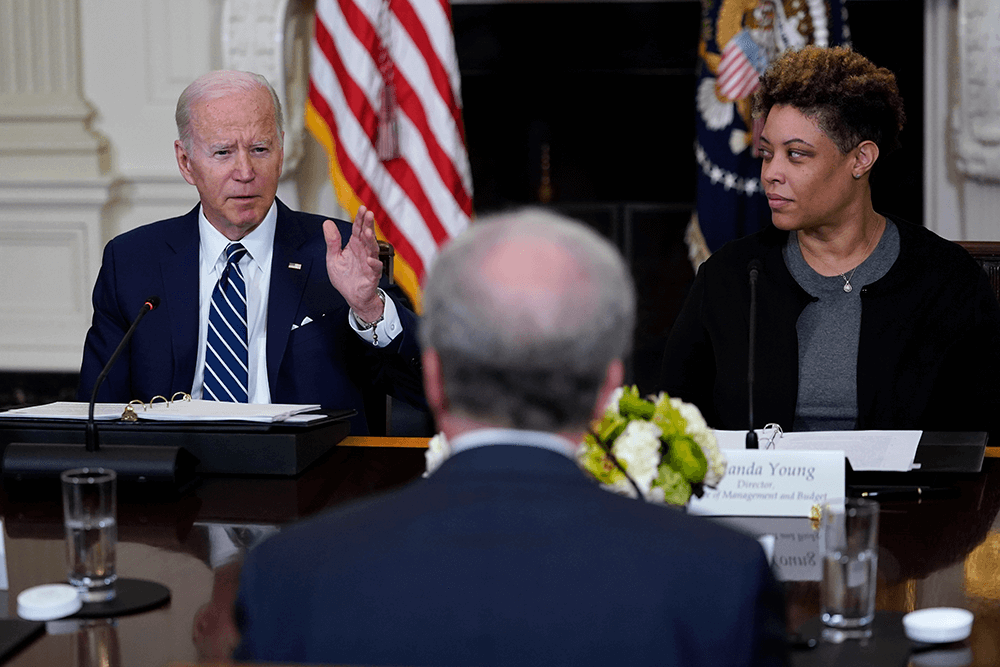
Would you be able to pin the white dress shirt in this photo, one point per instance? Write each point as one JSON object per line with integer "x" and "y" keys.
{"x": 256, "y": 267}
{"x": 484, "y": 437}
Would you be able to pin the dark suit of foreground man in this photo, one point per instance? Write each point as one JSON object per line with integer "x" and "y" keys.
{"x": 309, "y": 282}
{"x": 507, "y": 554}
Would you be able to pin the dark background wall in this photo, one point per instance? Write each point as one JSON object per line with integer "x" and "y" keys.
{"x": 609, "y": 89}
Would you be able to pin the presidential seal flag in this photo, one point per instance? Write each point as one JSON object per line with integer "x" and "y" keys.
{"x": 385, "y": 102}
{"x": 739, "y": 38}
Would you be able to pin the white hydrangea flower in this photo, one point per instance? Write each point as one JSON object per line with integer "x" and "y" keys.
{"x": 691, "y": 414}
{"x": 638, "y": 450}
{"x": 716, "y": 461}
{"x": 612, "y": 406}
{"x": 438, "y": 450}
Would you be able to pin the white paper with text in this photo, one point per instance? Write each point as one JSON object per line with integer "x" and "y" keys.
{"x": 867, "y": 450}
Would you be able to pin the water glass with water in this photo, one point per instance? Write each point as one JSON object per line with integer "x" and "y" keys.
{"x": 849, "y": 546}
{"x": 90, "y": 515}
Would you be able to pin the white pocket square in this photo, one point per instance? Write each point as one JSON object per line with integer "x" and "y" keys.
{"x": 306, "y": 320}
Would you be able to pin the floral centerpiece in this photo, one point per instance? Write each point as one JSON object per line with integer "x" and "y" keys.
{"x": 662, "y": 443}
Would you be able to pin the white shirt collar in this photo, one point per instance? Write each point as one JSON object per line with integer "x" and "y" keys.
{"x": 259, "y": 243}
{"x": 509, "y": 436}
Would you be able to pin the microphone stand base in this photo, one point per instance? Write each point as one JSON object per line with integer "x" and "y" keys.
{"x": 171, "y": 466}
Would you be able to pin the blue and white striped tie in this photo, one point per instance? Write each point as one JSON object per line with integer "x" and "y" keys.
{"x": 226, "y": 374}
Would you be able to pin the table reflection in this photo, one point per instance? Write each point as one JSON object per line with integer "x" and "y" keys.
{"x": 95, "y": 641}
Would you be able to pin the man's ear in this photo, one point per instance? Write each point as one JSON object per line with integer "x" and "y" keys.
{"x": 437, "y": 401}
{"x": 183, "y": 162}
{"x": 613, "y": 377}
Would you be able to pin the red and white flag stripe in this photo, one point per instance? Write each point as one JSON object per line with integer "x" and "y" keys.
{"x": 737, "y": 75}
{"x": 424, "y": 197}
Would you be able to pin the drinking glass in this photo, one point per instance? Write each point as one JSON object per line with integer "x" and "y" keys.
{"x": 90, "y": 517}
{"x": 849, "y": 547}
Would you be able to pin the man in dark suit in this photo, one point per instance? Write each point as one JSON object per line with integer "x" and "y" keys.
{"x": 319, "y": 327}
{"x": 508, "y": 554}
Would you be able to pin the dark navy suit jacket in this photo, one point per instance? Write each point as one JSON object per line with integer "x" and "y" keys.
{"x": 508, "y": 555}
{"x": 322, "y": 362}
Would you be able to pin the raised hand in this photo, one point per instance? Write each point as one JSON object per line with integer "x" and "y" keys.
{"x": 355, "y": 269}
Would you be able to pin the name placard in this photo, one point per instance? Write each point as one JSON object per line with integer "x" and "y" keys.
{"x": 766, "y": 482}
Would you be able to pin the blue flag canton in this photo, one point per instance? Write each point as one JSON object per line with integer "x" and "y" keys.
{"x": 751, "y": 50}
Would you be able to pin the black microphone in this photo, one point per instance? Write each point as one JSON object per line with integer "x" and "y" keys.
{"x": 753, "y": 268}
{"x": 170, "y": 467}
{"x": 92, "y": 443}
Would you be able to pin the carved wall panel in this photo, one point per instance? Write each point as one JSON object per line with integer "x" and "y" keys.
{"x": 977, "y": 118}
{"x": 38, "y": 47}
{"x": 181, "y": 46}
{"x": 46, "y": 258}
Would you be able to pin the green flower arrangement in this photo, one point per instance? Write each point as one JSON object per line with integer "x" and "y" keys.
{"x": 662, "y": 443}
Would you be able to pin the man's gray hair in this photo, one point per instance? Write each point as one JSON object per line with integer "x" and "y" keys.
{"x": 214, "y": 85}
{"x": 503, "y": 361}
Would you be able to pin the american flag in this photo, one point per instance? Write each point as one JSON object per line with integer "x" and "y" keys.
{"x": 740, "y": 67}
{"x": 385, "y": 101}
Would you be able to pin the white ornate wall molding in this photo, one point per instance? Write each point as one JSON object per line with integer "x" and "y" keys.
{"x": 49, "y": 253}
{"x": 942, "y": 210}
{"x": 271, "y": 37}
{"x": 43, "y": 116}
{"x": 54, "y": 187}
{"x": 143, "y": 199}
{"x": 962, "y": 118}
{"x": 977, "y": 121}
{"x": 977, "y": 117}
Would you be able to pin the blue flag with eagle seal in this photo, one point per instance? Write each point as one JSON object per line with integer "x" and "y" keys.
{"x": 739, "y": 38}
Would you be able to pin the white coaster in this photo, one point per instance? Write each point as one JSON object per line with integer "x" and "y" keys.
{"x": 48, "y": 602}
{"x": 938, "y": 625}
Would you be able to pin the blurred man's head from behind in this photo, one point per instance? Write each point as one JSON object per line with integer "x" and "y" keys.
{"x": 527, "y": 318}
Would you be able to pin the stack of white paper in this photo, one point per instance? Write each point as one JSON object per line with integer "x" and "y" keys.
{"x": 193, "y": 410}
{"x": 866, "y": 450}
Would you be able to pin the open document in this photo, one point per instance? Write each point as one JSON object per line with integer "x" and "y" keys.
{"x": 866, "y": 450}
{"x": 190, "y": 410}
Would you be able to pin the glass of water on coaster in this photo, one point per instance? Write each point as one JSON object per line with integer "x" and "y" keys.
{"x": 90, "y": 515}
{"x": 849, "y": 546}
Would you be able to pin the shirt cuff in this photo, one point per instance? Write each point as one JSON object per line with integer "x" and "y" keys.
{"x": 387, "y": 329}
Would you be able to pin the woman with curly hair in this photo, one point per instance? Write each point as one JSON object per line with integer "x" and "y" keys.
{"x": 863, "y": 322}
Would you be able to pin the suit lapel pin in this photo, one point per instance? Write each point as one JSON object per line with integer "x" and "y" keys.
{"x": 294, "y": 265}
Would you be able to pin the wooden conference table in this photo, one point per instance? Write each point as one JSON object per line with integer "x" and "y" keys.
{"x": 938, "y": 552}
